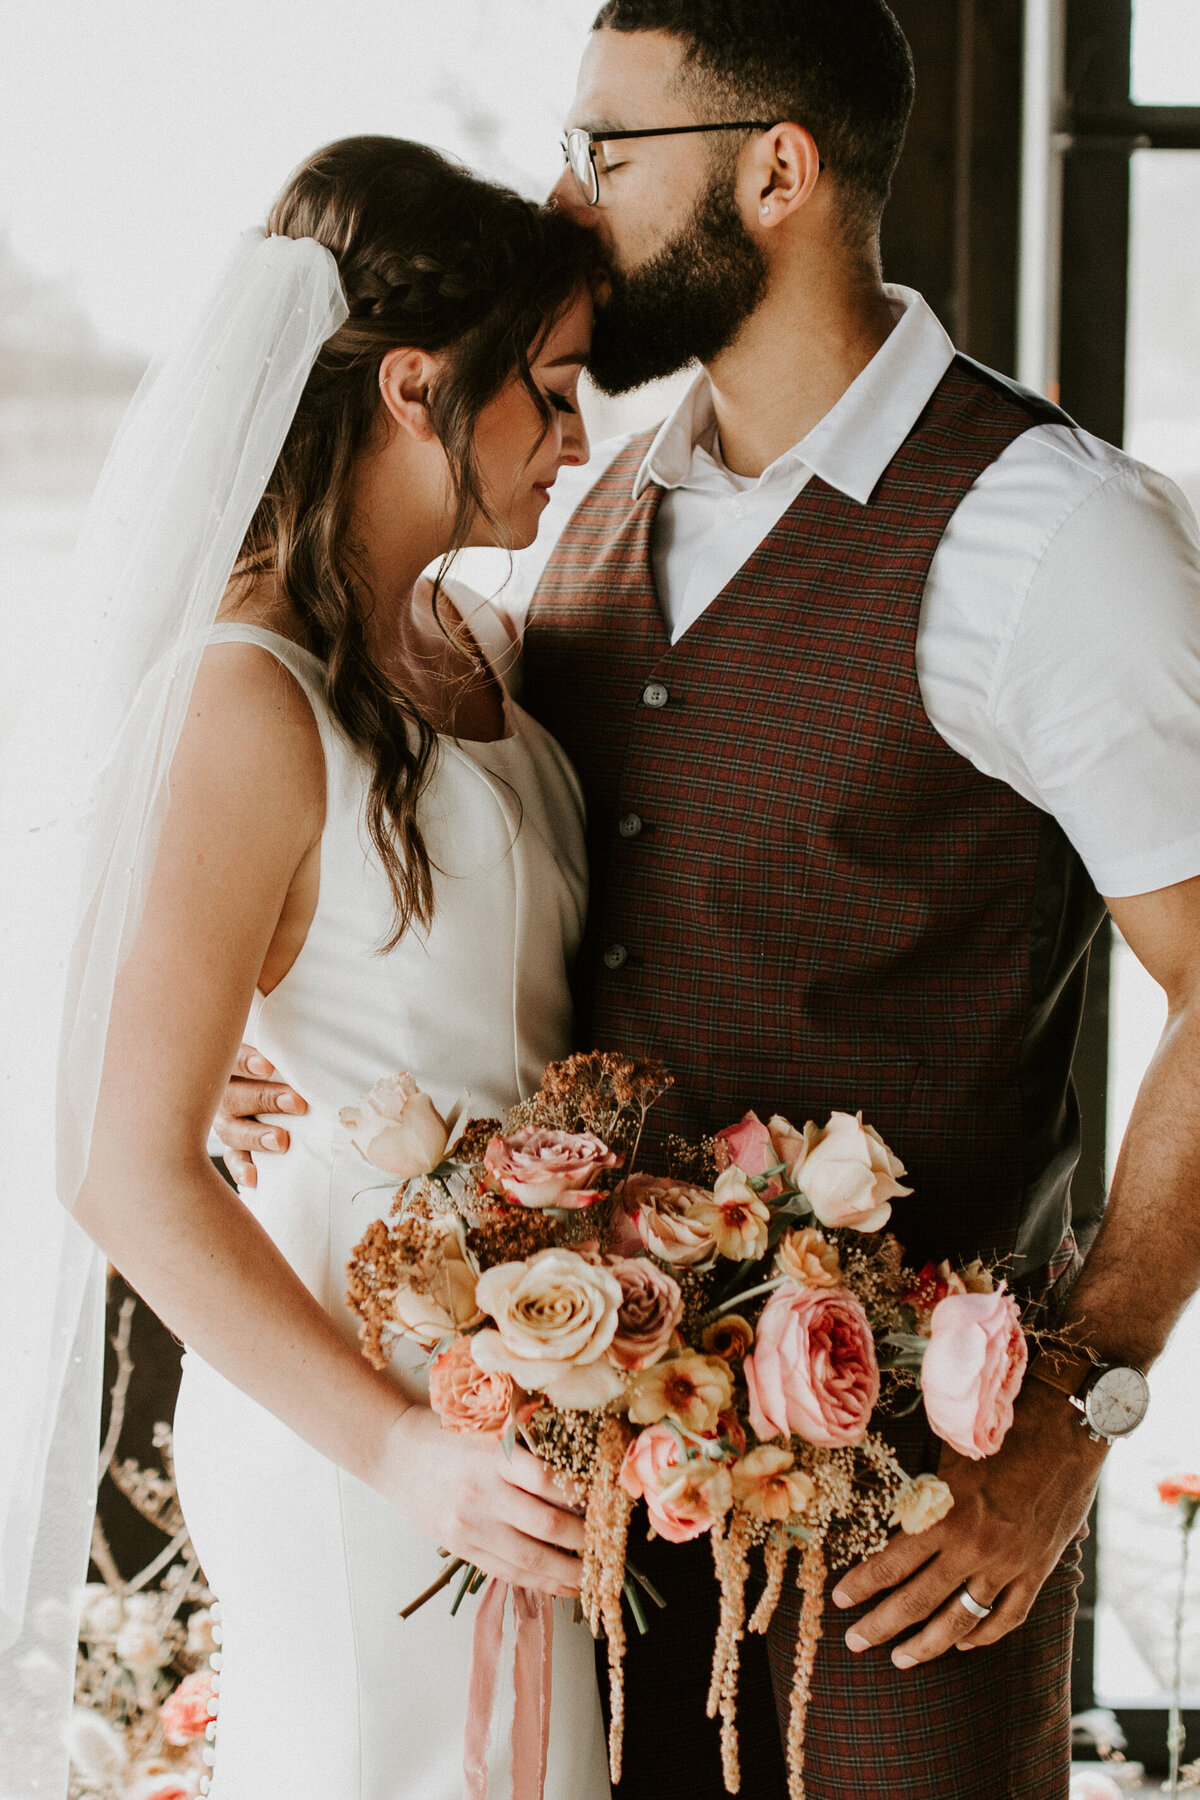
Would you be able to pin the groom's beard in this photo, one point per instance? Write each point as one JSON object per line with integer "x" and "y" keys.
{"x": 686, "y": 304}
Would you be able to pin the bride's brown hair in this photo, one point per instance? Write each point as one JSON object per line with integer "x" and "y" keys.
{"x": 434, "y": 258}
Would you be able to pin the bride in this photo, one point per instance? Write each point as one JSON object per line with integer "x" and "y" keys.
{"x": 373, "y": 855}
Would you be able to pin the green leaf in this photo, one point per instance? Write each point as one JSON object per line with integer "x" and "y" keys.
{"x": 634, "y": 1603}
{"x": 465, "y": 1585}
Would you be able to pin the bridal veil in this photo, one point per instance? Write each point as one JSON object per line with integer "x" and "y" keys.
{"x": 83, "y": 792}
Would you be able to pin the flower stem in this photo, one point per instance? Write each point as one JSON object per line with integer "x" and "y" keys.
{"x": 764, "y": 1287}
{"x": 1176, "y": 1736}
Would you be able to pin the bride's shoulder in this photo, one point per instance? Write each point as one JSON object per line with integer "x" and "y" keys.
{"x": 251, "y": 723}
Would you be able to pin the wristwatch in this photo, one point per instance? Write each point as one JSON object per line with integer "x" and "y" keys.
{"x": 1112, "y": 1397}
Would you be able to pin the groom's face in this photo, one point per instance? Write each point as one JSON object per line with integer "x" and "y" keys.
{"x": 684, "y": 270}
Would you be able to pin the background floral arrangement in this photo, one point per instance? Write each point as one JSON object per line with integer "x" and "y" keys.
{"x": 722, "y": 1341}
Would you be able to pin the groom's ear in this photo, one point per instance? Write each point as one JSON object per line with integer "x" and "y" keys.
{"x": 781, "y": 174}
{"x": 404, "y": 382}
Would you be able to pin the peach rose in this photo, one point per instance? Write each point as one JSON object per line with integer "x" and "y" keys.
{"x": 466, "y": 1397}
{"x": 972, "y": 1370}
{"x": 768, "y": 1484}
{"x": 668, "y": 1220}
{"x": 452, "y": 1305}
{"x": 808, "y": 1258}
{"x": 651, "y": 1308}
{"x": 397, "y": 1128}
{"x": 693, "y": 1390}
{"x": 813, "y": 1369}
{"x": 848, "y": 1175}
{"x": 920, "y": 1503}
{"x": 548, "y": 1168}
{"x": 748, "y": 1146}
{"x": 684, "y": 1495}
{"x": 556, "y": 1315}
{"x": 184, "y": 1713}
{"x": 737, "y": 1217}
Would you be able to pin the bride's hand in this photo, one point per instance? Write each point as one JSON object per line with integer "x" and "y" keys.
{"x": 504, "y": 1514}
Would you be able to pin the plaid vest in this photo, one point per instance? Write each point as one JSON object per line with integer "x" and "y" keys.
{"x": 802, "y": 897}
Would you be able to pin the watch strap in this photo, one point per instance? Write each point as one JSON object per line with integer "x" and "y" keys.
{"x": 1068, "y": 1371}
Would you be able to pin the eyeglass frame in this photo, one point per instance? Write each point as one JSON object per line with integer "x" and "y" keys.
{"x": 591, "y": 191}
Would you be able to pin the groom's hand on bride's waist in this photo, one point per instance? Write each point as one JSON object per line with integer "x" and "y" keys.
{"x": 1013, "y": 1516}
{"x": 254, "y": 1088}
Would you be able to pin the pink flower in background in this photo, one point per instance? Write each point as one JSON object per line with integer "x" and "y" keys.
{"x": 397, "y": 1128}
{"x": 972, "y": 1370}
{"x": 548, "y": 1168}
{"x": 749, "y": 1145}
{"x": 185, "y": 1713}
{"x": 466, "y": 1397}
{"x": 1179, "y": 1487}
{"x": 685, "y": 1496}
{"x": 813, "y": 1369}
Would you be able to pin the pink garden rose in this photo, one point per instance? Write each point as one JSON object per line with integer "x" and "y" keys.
{"x": 651, "y": 1309}
{"x": 972, "y": 1370}
{"x": 813, "y": 1368}
{"x": 670, "y": 1219}
{"x": 848, "y": 1175}
{"x": 184, "y": 1713}
{"x": 397, "y": 1128}
{"x": 466, "y": 1397}
{"x": 685, "y": 1496}
{"x": 548, "y": 1168}
{"x": 748, "y": 1144}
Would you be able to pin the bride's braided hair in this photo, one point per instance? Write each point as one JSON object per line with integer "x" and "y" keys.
{"x": 436, "y": 259}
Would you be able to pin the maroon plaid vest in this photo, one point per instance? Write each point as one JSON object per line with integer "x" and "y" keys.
{"x": 802, "y": 897}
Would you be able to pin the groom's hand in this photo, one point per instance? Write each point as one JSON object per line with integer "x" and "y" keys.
{"x": 253, "y": 1089}
{"x": 1013, "y": 1516}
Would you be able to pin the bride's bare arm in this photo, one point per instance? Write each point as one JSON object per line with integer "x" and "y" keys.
{"x": 247, "y": 796}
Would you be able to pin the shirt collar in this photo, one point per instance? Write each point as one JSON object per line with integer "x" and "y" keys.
{"x": 856, "y": 440}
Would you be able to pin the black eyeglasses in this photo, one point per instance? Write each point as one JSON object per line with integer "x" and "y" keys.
{"x": 578, "y": 147}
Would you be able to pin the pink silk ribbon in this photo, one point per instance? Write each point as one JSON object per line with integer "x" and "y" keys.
{"x": 532, "y": 1665}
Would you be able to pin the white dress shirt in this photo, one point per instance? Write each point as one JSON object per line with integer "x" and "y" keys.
{"x": 1058, "y": 647}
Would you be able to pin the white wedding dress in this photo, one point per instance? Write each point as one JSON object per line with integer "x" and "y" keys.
{"x": 324, "y": 1691}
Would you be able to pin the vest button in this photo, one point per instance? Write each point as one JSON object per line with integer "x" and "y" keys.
{"x": 655, "y": 694}
{"x": 629, "y": 826}
{"x": 616, "y": 956}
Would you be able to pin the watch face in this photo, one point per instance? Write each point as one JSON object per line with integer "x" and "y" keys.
{"x": 1117, "y": 1401}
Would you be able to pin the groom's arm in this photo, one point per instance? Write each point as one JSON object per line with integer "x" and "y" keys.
{"x": 1015, "y": 1513}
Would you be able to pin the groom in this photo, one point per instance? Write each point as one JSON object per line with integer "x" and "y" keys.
{"x": 877, "y": 674}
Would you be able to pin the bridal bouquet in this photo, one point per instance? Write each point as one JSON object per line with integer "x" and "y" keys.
{"x": 721, "y": 1341}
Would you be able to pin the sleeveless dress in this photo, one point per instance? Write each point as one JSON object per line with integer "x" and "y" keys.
{"x": 324, "y": 1690}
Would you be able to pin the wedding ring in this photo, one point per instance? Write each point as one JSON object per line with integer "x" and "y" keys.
{"x": 971, "y": 1603}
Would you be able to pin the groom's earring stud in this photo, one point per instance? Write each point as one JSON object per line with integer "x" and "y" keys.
{"x": 765, "y": 208}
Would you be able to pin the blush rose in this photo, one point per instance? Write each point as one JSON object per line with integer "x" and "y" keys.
{"x": 548, "y": 1168}
{"x": 813, "y": 1369}
{"x": 972, "y": 1370}
{"x": 184, "y": 1713}
{"x": 748, "y": 1145}
{"x": 685, "y": 1496}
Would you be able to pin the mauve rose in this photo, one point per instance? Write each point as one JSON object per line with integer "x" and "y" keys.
{"x": 548, "y": 1168}
{"x": 397, "y": 1128}
{"x": 651, "y": 1308}
{"x": 972, "y": 1370}
{"x": 685, "y": 1496}
{"x": 184, "y": 1713}
{"x": 466, "y": 1397}
{"x": 668, "y": 1220}
{"x": 813, "y": 1368}
{"x": 748, "y": 1145}
{"x": 848, "y": 1175}
{"x": 556, "y": 1315}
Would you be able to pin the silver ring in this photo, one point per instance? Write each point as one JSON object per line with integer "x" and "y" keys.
{"x": 971, "y": 1603}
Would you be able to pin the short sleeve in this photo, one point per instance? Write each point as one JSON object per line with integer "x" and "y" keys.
{"x": 1094, "y": 704}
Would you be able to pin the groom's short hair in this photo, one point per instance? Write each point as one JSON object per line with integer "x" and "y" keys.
{"x": 841, "y": 68}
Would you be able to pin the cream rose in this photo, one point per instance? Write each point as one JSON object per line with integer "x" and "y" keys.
{"x": 668, "y": 1219}
{"x": 848, "y": 1175}
{"x": 452, "y": 1305}
{"x": 556, "y": 1315}
{"x": 651, "y": 1308}
{"x": 397, "y": 1128}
